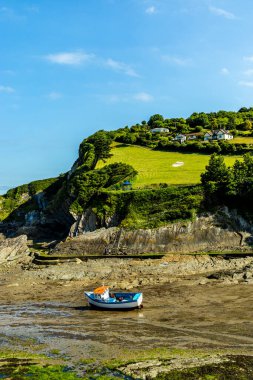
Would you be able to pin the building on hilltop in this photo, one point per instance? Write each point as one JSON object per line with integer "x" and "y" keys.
{"x": 191, "y": 136}
{"x": 160, "y": 130}
{"x": 179, "y": 138}
{"x": 220, "y": 134}
{"x": 194, "y": 136}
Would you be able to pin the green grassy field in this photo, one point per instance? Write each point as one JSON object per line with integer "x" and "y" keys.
{"x": 157, "y": 167}
{"x": 242, "y": 140}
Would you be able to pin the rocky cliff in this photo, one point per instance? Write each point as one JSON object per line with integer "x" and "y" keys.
{"x": 224, "y": 230}
{"x": 89, "y": 205}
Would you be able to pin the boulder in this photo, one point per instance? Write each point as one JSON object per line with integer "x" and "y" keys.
{"x": 13, "y": 249}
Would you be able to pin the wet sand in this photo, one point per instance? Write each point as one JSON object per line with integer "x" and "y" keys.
{"x": 49, "y": 316}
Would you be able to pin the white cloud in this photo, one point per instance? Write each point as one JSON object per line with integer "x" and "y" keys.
{"x": 7, "y": 89}
{"x": 248, "y": 59}
{"x": 72, "y": 58}
{"x": 225, "y": 71}
{"x": 246, "y": 83}
{"x": 10, "y": 14}
{"x": 79, "y": 58}
{"x": 248, "y": 72}
{"x": 222, "y": 12}
{"x": 6, "y": 10}
{"x": 143, "y": 97}
{"x": 177, "y": 61}
{"x": 151, "y": 10}
{"x": 127, "y": 98}
{"x": 113, "y": 98}
{"x": 54, "y": 95}
{"x": 121, "y": 67}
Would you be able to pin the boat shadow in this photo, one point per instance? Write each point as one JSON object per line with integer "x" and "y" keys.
{"x": 80, "y": 308}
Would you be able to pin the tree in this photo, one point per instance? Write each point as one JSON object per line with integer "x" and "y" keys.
{"x": 86, "y": 185}
{"x": 216, "y": 170}
{"x": 215, "y": 179}
{"x": 198, "y": 119}
{"x": 157, "y": 124}
{"x": 130, "y": 138}
{"x": 154, "y": 119}
{"x": 246, "y": 125}
{"x": 231, "y": 122}
{"x": 240, "y": 185}
{"x": 86, "y": 157}
{"x": 243, "y": 109}
{"x": 101, "y": 141}
{"x": 214, "y": 124}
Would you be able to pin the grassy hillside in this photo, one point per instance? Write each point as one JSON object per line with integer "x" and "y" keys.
{"x": 241, "y": 140}
{"x": 149, "y": 208}
{"x": 23, "y": 195}
{"x": 157, "y": 167}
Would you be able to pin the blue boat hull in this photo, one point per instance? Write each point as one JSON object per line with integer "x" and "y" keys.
{"x": 120, "y": 301}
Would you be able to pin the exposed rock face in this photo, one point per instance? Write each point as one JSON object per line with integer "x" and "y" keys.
{"x": 133, "y": 273}
{"x": 83, "y": 223}
{"x": 88, "y": 222}
{"x": 222, "y": 231}
{"x": 13, "y": 249}
{"x": 42, "y": 224}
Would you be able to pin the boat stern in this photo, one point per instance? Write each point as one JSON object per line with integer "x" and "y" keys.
{"x": 138, "y": 298}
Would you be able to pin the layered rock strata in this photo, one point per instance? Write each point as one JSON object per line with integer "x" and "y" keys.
{"x": 13, "y": 249}
{"x": 213, "y": 232}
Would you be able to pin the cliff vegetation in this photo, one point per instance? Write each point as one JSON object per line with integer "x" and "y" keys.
{"x": 108, "y": 186}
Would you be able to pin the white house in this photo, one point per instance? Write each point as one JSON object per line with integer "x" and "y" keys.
{"x": 220, "y": 134}
{"x": 160, "y": 130}
{"x": 208, "y": 136}
{"x": 180, "y": 138}
{"x": 191, "y": 136}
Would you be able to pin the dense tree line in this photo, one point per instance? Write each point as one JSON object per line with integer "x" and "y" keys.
{"x": 229, "y": 185}
{"x": 237, "y": 123}
{"x": 229, "y": 120}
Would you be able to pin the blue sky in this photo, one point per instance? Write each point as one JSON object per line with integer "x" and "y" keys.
{"x": 69, "y": 68}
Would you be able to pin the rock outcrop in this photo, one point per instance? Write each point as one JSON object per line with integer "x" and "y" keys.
{"x": 13, "y": 249}
{"x": 134, "y": 273}
{"x": 221, "y": 231}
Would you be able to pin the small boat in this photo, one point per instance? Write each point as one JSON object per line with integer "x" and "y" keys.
{"x": 102, "y": 298}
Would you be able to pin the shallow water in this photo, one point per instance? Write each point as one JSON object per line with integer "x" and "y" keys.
{"x": 174, "y": 316}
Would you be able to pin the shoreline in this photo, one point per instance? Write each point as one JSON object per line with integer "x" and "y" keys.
{"x": 189, "y": 322}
